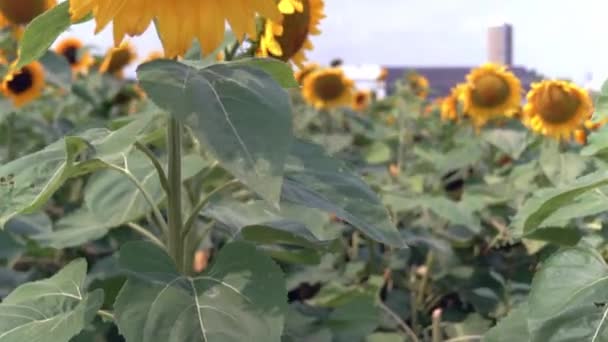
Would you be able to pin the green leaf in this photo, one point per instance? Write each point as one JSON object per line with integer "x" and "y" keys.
{"x": 514, "y": 327}
{"x": 31, "y": 180}
{"x": 354, "y": 320}
{"x": 509, "y": 141}
{"x": 601, "y": 103}
{"x": 385, "y": 337}
{"x": 597, "y": 142}
{"x": 108, "y": 191}
{"x": 241, "y": 297}
{"x": 280, "y": 71}
{"x": 546, "y": 202}
{"x": 568, "y": 301}
{"x": 467, "y": 154}
{"x": 238, "y": 112}
{"x": 316, "y": 180}
{"x": 73, "y": 230}
{"x": 377, "y": 153}
{"x": 55, "y": 309}
{"x": 259, "y": 222}
{"x": 41, "y": 32}
{"x": 560, "y": 168}
{"x": 57, "y": 69}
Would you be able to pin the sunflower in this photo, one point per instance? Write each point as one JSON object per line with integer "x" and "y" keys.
{"x": 117, "y": 58}
{"x": 492, "y": 91}
{"x": 73, "y": 50}
{"x": 418, "y": 85}
{"x": 24, "y": 85}
{"x": 288, "y": 39}
{"x": 21, "y": 12}
{"x": 302, "y": 73}
{"x": 328, "y": 88}
{"x": 361, "y": 100}
{"x": 557, "y": 108}
{"x": 449, "y": 104}
{"x": 178, "y": 22}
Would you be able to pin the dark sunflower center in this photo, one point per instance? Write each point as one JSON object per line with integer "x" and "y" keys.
{"x": 71, "y": 54}
{"x": 22, "y": 11}
{"x": 295, "y": 32}
{"x": 360, "y": 99}
{"x": 21, "y": 81}
{"x": 329, "y": 87}
{"x": 490, "y": 91}
{"x": 556, "y": 105}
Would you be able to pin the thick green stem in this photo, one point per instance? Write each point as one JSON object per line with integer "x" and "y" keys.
{"x": 174, "y": 204}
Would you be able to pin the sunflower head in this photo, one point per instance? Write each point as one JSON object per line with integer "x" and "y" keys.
{"x": 21, "y": 12}
{"x": 328, "y": 88}
{"x": 361, "y": 100}
{"x": 492, "y": 91}
{"x": 302, "y": 73}
{"x": 580, "y": 136}
{"x": 74, "y": 52}
{"x": 417, "y": 84}
{"x": 289, "y": 38}
{"x": 449, "y": 104}
{"x": 557, "y": 108}
{"x": 24, "y": 85}
{"x": 117, "y": 58}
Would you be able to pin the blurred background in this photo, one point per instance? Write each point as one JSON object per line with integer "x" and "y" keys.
{"x": 554, "y": 38}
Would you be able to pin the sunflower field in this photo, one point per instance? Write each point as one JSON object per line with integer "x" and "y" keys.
{"x": 232, "y": 190}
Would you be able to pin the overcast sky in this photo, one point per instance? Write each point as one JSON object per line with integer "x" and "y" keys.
{"x": 559, "y": 38}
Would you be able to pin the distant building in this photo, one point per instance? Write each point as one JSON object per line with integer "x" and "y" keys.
{"x": 500, "y": 44}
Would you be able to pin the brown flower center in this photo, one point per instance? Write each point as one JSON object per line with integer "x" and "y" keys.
{"x": 556, "y": 105}
{"x": 360, "y": 99}
{"x": 490, "y": 90}
{"x": 329, "y": 87}
{"x": 21, "y": 82}
{"x": 22, "y": 12}
{"x": 295, "y": 32}
{"x": 71, "y": 54}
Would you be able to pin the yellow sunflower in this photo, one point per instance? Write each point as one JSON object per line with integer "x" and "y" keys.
{"x": 328, "y": 88}
{"x": 21, "y": 12}
{"x": 288, "y": 39}
{"x": 24, "y": 85}
{"x": 74, "y": 52}
{"x": 302, "y": 73}
{"x": 361, "y": 100}
{"x": 178, "y": 22}
{"x": 557, "y": 108}
{"x": 117, "y": 59}
{"x": 492, "y": 91}
{"x": 449, "y": 105}
{"x": 418, "y": 85}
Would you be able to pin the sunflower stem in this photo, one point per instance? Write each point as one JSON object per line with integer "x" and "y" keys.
{"x": 174, "y": 204}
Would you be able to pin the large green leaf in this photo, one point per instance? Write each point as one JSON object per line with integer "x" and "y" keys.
{"x": 28, "y": 182}
{"x": 55, "y": 309}
{"x": 236, "y": 111}
{"x": 568, "y": 301}
{"x": 316, "y": 180}
{"x": 42, "y": 32}
{"x": 74, "y": 229}
{"x": 512, "y": 328}
{"x": 109, "y": 191}
{"x": 560, "y": 168}
{"x": 241, "y": 297}
{"x": 259, "y": 222}
{"x": 280, "y": 71}
{"x": 546, "y": 202}
{"x": 510, "y": 141}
